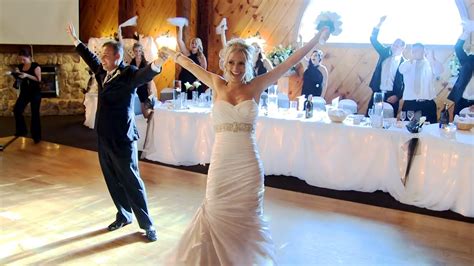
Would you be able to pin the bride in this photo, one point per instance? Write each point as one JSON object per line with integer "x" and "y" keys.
{"x": 228, "y": 228}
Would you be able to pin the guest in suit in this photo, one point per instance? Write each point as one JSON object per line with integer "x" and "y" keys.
{"x": 387, "y": 77}
{"x": 29, "y": 74}
{"x": 462, "y": 93}
{"x": 418, "y": 74}
{"x": 195, "y": 53}
{"x": 117, "y": 133}
{"x": 315, "y": 77}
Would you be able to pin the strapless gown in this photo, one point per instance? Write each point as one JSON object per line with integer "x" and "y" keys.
{"x": 228, "y": 228}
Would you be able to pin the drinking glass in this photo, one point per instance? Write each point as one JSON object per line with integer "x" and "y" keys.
{"x": 195, "y": 97}
{"x": 176, "y": 89}
{"x": 293, "y": 107}
{"x": 403, "y": 116}
{"x": 410, "y": 115}
{"x": 370, "y": 112}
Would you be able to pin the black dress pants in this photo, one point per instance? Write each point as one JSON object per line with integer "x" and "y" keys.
{"x": 19, "y": 108}
{"x": 119, "y": 163}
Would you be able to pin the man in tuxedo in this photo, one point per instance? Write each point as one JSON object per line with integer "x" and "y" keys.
{"x": 462, "y": 93}
{"x": 116, "y": 130}
{"x": 386, "y": 77}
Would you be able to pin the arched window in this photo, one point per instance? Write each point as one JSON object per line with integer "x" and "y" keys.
{"x": 425, "y": 21}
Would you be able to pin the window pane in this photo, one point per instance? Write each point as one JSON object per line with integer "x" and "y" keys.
{"x": 425, "y": 21}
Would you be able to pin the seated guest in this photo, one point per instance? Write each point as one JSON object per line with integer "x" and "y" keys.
{"x": 315, "y": 77}
{"x": 462, "y": 93}
{"x": 418, "y": 75}
{"x": 146, "y": 90}
{"x": 386, "y": 77}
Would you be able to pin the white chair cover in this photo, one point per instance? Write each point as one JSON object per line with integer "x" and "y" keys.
{"x": 387, "y": 110}
{"x": 465, "y": 111}
{"x": 348, "y": 105}
{"x": 319, "y": 103}
{"x": 283, "y": 100}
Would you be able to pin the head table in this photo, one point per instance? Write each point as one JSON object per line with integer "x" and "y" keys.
{"x": 337, "y": 156}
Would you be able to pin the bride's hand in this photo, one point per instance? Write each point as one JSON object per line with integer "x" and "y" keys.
{"x": 170, "y": 53}
{"x": 324, "y": 34}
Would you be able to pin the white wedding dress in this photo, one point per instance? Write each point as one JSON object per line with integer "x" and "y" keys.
{"x": 228, "y": 228}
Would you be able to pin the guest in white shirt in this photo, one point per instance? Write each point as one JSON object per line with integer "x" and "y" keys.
{"x": 418, "y": 74}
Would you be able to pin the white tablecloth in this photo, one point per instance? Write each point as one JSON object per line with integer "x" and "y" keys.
{"x": 90, "y": 102}
{"x": 336, "y": 156}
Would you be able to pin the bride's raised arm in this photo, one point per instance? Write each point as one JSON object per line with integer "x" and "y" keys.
{"x": 261, "y": 82}
{"x": 200, "y": 73}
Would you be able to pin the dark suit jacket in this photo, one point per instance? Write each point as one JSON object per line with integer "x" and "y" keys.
{"x": 384, "y": 52}
{"x": 115, "y": 118}
{"x": 465, "y": 72}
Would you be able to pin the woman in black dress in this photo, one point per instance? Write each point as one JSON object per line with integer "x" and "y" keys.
{"x": 315, "y": 77}
{"x": 195, "y": 53}
{"x": 145, "y": 90}
{"x": 261, "y": 64}
{"x": 30, "y": 75}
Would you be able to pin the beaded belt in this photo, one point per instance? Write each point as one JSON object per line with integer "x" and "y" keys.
{"x": 234, "y": 127}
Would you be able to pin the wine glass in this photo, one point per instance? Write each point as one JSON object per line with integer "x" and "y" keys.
{"x": 371, "y": 112}
{"x": 403, "y": 116}
{"x": 410, "y": 115}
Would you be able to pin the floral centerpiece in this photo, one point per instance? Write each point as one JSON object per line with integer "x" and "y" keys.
{"x": 193, "y": 86}
{"x": 280, "y": 54}
{"x": 331, "y": 20}
{"x": 454, "y": 66}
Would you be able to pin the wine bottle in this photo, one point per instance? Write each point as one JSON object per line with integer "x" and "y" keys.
{"x": 308, "y": 105}
{"x": 444, "y": 117}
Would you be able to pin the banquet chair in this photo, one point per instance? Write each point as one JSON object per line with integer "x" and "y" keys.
{"x": 319, "y": 103}
{"x": 348, "y": 105}
{"x": 388, "y": 110}
{"x": 166, "y": 94}
{"x": 465, "y": 111}
{"x": 283, "y": 100}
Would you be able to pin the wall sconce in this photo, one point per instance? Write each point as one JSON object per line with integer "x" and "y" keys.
{"x": 256, "y": 39}
{"x": 165, "y": 40}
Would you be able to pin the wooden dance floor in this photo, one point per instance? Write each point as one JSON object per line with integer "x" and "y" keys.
{"x": 55, "y": 208}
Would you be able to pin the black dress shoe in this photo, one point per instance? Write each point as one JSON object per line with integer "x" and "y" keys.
{"x": 151, "y": 234}
{"x": 117, "y": 225}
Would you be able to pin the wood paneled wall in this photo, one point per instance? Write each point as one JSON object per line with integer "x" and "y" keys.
{"x": 101, "y": 19}
{"x": 276, "y": 21}
{"x": 97, "y": 18}
{"x": 350, "y": 66}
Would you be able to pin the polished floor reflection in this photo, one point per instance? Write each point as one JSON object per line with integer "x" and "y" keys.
{"x": 54, "y": 208}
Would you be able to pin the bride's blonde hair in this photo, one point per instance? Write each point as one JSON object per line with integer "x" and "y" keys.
{"x": 238, "y": 45}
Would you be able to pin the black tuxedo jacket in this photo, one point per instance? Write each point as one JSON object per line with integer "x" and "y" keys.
{"x": 384, "y": 52}
{"x": 115, "y": 118}
{"x": 465, "y": 72}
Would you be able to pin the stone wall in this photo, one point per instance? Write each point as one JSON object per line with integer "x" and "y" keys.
{"x": 72, "y": 78}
